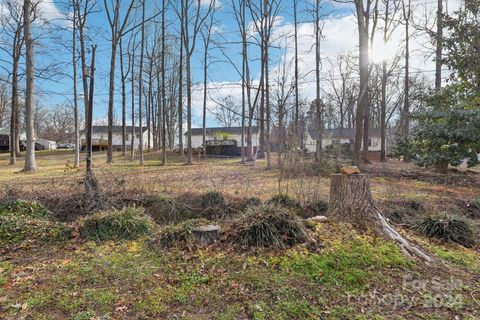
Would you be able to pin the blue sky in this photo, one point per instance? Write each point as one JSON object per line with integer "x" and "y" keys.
{"x": 340, "y": 36}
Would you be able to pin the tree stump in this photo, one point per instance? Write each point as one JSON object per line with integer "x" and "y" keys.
{"x": 206, "y": 235}
{"x": 351, "y": 201}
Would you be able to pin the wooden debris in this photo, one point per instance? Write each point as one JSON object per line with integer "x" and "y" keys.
{"x": 350, "y": 170}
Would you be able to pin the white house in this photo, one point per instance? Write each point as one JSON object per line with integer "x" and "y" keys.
{"x": 347, "y": 136}
{"x": 228, "y": 139}
{"x": 40, "y": 143}
{"x": 100, "y": 137}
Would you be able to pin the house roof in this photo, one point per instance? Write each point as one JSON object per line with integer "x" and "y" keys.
{"x": 210, "y": 131}
{"x": 347, "y": 133}
{"x": 116, "y": 129}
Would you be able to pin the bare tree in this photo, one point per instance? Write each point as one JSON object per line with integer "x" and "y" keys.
{"x": 124, "y": 76}
{"x": 367, "y": 17}
{"x": 75, "y": 96}
{"x": 226, "y": 111}
{"x": 405, "y": 117}
{"x": 206, "y": 33}
{"x": 389, "y": 26}
{"x": 164, "y": 99}
{"x": 30, "y": 163}
{"x": 439, "y": 47}
{"x": 117, "y": 24}
{"x": 140, "y": 86}
{"x": 91, "y": 184}
{"x": 12, "y": 27}
{"x": 193, "y": 18}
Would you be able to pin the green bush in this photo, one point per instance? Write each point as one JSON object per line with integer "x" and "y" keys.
{"x": 129, "y": 223}
{"x": 212, "y": 199}
{"x": 284, "y": 200}
{"x": 268, "y": 226}
{"x": 252, "y": 202}
{"x": 29, "y": 221}
{"x": 165, "y": 209}
{"x": 31, "y": 209}
{"x": 476, "y": 202}
{"x": 447, "y": 228}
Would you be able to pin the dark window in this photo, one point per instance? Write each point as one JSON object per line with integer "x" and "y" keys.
{"x": 369, "y": 142}
{"x": 335, "y": 141}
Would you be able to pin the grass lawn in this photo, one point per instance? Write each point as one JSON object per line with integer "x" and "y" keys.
{"x": 347, "y": 276}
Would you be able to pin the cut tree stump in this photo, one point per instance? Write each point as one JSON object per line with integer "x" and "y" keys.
{"x": 206, "y": 235}
{"x": 351, "y": 201}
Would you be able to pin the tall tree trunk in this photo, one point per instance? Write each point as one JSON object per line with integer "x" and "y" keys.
{"x": 149, "y": 105}
{"x": 91, "y": 184}
{"x": 110, "y": 101}
{"x": 30, "y": 163}
{"x": 140, "y": 87}
{"x": 383, "y": 114}
{"x": 297, "y": 103}
{"x": 75, "y": 98}
{"x": 439, "y": 49}
{"x": 204, "y": 115}
{"x": 164, "y": 99}
{"x": 124, "y": 102}
{"x": 363, "y": 98}
{"x": 180, "y": 95}
{"x": 132, "y": 144}
{"x": 14, "y": 114}
{"x": 267, "y": 85}
{"x": 319, "y": 115}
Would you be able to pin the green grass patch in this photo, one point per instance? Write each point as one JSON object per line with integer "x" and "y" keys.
{"x": 349, "y": 265}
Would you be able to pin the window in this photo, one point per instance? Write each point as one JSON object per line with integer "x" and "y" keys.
{"x": 126, "y": 137}
{"x": 369, "y": 142}
{"x": 335, "y": 141}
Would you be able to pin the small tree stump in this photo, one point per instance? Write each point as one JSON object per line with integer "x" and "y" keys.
{"x": 206, "y": 235}
{"x": 351, "y": 201}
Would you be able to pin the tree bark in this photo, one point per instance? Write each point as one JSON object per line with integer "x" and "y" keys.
{"x": 351, "y": 201}
{"x": 140, "y": 86}
{"x": 439, "y": 49}
{"x": 75, "y": 97}
{"x": 30, "y": 163}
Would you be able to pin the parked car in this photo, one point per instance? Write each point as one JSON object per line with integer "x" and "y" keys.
{"x": 66, "y": 146}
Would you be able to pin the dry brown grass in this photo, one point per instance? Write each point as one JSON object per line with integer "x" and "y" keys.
{"x": 60, "y": 185}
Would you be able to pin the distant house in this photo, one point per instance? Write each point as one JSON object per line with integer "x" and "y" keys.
{"x": 40, "y": 143}
{"x": 223, "y": 140}
{"x": 347, "y": 136}
{"x": 100, "y": 138}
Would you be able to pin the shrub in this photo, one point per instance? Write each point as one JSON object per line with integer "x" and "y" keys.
{"x": 32, "y": 209}
{"x": 476, "y": 202}
{"x": 316, "y": 208}
{"x": 28, "y": 220}
{"x": 164, "y": 209}
{"x": 447, "y": 228}
{"x": 252, "y": 202}
{"x": 284, "y": 200}
{"x": 212, "y": 199}
{"x": 177, "y": 234}
{"x": 266, "y": 226}
{"x": 320, "y": 207}
{"x": 128, "y": 223}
